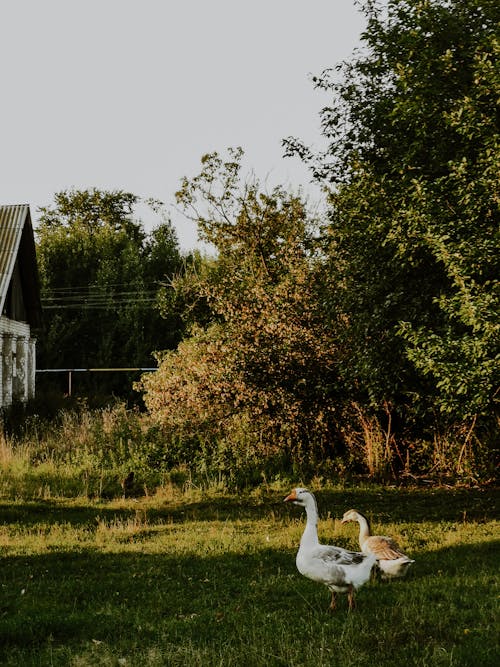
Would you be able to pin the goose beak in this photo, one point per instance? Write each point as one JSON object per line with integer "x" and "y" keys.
{"x": 291, "y": 497}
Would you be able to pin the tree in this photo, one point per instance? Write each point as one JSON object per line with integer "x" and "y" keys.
{"x": 261, "y": 368}
{"x": 100, "y": 275}
{"x": 412, "y": 167}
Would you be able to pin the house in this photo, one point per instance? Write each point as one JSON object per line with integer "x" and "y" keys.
{"x": 20, "y": 305}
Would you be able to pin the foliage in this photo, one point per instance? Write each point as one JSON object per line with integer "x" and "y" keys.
{"x": 101, "y": 276}
{"x": 366, "y": 342}
{"x": 78, "y": 452}
{"x": 412, "y": 165}
{"x": 378, "y": 329}
{"x": 74, "y": 450}
{"x": 261, "y": 368}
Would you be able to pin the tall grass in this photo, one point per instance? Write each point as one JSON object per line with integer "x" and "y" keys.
{"x": 79, "y": 452}
{"x": 89, "y": 452}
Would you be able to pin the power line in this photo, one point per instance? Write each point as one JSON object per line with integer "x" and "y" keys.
{"x": 101, "y": 286}
{"x": 99, "y": 306}
{"x": 94, "y": 298}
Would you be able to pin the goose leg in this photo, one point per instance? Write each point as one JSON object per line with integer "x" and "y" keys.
{"x": 333, "y": 602}
{"x": 350, "y": 598}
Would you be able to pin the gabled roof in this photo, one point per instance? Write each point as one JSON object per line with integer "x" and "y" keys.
{"x": 17, "y": 243}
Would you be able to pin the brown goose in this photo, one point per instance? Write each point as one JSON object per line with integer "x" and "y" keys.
{"x": 390, "y": 559}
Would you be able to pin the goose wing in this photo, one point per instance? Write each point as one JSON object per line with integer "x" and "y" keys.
{"x": 384, "y": 548}
{"x": 331, "y": 565}
{"x": 331, "y": 555}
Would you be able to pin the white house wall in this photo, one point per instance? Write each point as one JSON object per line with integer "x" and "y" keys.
{"x": 17, "y": 362}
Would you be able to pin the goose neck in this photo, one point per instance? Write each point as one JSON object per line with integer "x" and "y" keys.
{"x": 364, "y": 528}
{"x": 310, "y": 535}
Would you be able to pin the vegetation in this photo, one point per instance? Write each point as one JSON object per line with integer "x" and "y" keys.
{"x": 247, "y": 376}
{"x": 101, "y": 278}
{"x": 363, "y": 341}
{"x": 375, "y": 330}
{"x": 327, "y": 350}
{"x": 411, "y": 167}
{"x": 201, "y": 577}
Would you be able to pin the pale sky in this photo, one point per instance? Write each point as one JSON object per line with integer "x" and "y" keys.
{"x": 129, "y": 94}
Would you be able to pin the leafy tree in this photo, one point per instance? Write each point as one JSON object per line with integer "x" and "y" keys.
{"x": 264, "y": 362}
{"x": 100, "y": 276}
{"x": 412, "y": 165}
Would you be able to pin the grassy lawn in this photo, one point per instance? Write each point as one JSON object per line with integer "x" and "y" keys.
{"x": 209, "y": 579}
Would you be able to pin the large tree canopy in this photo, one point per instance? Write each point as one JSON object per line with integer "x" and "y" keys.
{"x": 378, "y": 328}
{"x": 412, "y": 166}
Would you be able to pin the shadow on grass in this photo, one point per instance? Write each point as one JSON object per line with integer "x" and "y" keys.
{"x": 390, "y": 503}
{"x": 384, "y": 504}
{"x": 69, "y": 596}
{"x": 415, "y": 505}
{"x": 137, "y": 600}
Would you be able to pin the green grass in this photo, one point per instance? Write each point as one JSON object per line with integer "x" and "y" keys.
{"x": 206, "y": 579}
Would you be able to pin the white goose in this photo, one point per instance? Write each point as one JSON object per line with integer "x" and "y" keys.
{"x": 390, "y": 559}
{"x": 340, "y": 570}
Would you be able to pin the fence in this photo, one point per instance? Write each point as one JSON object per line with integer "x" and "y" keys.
{"x": 70, "y": 372}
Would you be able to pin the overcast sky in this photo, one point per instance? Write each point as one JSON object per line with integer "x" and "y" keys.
{"x": 129, "y": 94}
